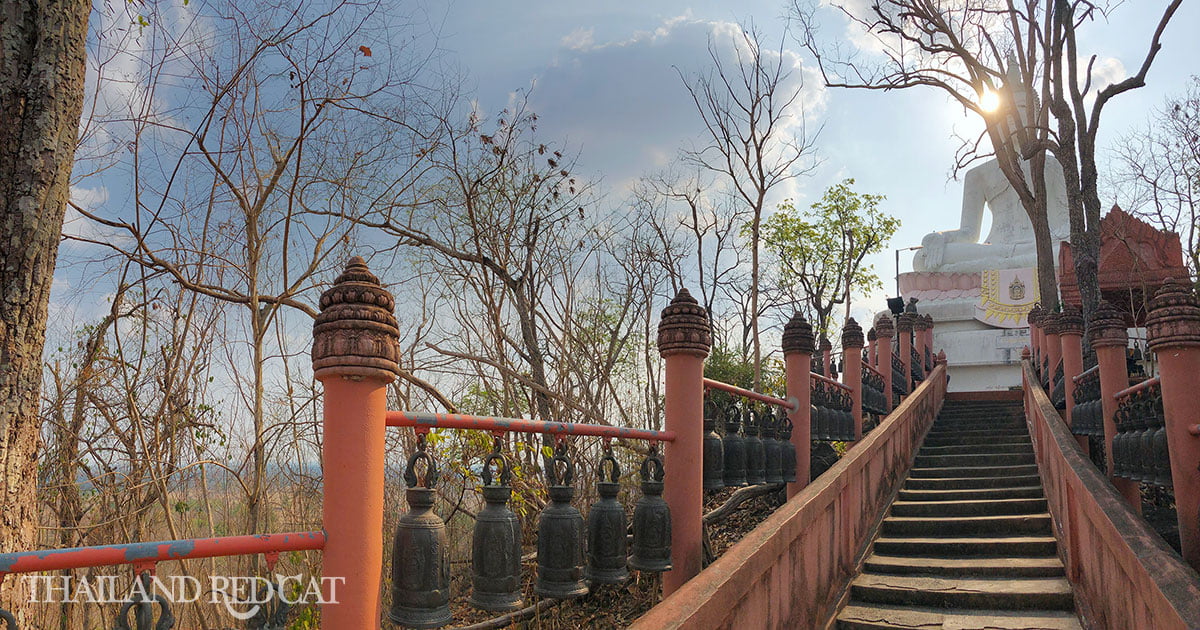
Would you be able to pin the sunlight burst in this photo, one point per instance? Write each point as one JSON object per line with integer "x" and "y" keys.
{"x": 989, "y": 101}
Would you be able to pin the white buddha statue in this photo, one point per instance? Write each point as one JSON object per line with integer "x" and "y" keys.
{"x": 1009, "y": 244}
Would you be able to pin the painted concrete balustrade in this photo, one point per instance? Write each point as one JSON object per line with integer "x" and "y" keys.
{"x": 791, "y": 570}
{"x": 1122, "y": 573}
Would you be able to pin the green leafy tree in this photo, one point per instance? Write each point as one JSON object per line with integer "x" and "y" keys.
{"x": 728, "y": 365}
{"x": 819, "y": 252}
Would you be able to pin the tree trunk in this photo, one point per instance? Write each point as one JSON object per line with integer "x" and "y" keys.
{"x": 1089, "y": 284}
{"x": 1047, "y": 279}
{"x": 41, "y": 94}
{"x": 1042, "y": 238}
{"x": 754, "y": 239}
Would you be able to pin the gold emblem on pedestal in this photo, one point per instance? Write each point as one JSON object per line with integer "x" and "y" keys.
{"x": 1016, "y": 290}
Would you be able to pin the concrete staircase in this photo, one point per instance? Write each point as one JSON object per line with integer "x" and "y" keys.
{"x": 968, "y": 542}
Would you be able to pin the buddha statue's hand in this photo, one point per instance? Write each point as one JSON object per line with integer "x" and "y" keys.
{"x": 933, "y": 250}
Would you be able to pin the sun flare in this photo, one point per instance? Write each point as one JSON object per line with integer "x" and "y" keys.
{"x": 989, "y": 101}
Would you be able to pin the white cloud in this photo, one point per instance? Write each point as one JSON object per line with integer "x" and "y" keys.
{"x": 75, "y": 224}
{"x": 622, "y": 103}
{"x": 579, "y": 39}
{"x": 78, "y": 226}
{"x": 1105, "y": 72}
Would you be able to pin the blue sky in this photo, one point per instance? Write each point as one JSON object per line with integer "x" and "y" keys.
{"x": 605, "y": 83}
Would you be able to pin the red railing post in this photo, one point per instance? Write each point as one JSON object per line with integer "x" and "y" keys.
{"x": 826, "y": 349}
{"x": 684, "y": 340}
{"x": 355, "y": 355}
{"x": 929, "y": 337}
{"x": 884, "y": 331}
{"x": 1070, "y": 335}
{"x": 1174, "y": 335}
{"x": 905, "y": 324}
{"x": 852, "y": 344}
{"x": 1108, "y": 337}
{"x": 872, "y": 358}
{"x": 1050, "y": 328}
{"x": 921, "y": 328}
{"x": 797, "y": 364}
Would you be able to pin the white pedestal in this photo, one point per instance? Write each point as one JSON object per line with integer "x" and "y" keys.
{"x": 979, "y": 357}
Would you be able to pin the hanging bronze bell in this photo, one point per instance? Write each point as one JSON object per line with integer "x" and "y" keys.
{"x": 820, "y": 416}
{"x": 787, "y": 459}
{"x": 420, "y": 553}
{"x": 606, "y": 534}
{"x": 1162, "y": 456}
{"x": 1145, "y": 455}
{"x": 772, "y": 449}
{"x": 735, "y": 448}
{"x": 1162, "y": 459}
{"x": 846, "y": 418}
{"x": 714, "y": 450}
{"x": 496, "y": 543}
{"x": 560, "y": 535}
{"x": 756, "y": 465}
{"x": 651, "y": 520}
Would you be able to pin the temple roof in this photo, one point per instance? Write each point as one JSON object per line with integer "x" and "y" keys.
{"x": 1135, "y": 259}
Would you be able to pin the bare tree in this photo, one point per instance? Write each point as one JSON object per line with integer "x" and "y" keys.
{"x": 1158, "y": 170}
{"x": 698, "y": 234}
{"x": 755, "y": 132}
{"x": 499, "y": 216}
{"x": 1071, "y": 87}
{"x": 128, "y": 419}
{"x": 296, "y": 124}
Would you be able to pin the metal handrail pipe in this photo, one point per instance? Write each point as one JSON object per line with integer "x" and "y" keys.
{"x": 790, "y": 405}
{"x": 160, "y": 551}
{"x": 1133, "y": 389}
{"x": 829, "y": 381}
{"x": 519, "y": 425}
{"x": 1087, "y": 372}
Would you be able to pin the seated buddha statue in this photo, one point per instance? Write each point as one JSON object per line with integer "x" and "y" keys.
{"x": 1009, "y": 243}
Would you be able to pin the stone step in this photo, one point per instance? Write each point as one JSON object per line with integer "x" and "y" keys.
{"x": 988, "y": 412}
{"x": 954, "y": 438}
{"x": 1003, "y": 593}
{"x": 982, "y": 405}
{"x": 861, "y": 616}
{"x": 975, "y": 440}
{"x": 968, "y": 542}
{"x": 962, "y": 427}
{"x": 979, "y": 432}
{"x": 973, "y": 471}
{"x": 968, "y": 507}
{"x": 979, "y": 546}
{"x": 993, "y": 416}
{"x": 1005, "y": 524}
{"x": 1049, "y": 566}
{"x": 969, "y": 449}
{"x": 972, "y": 494}
{"x": 975, "y": 460}
{"x": 962, "y": 483}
